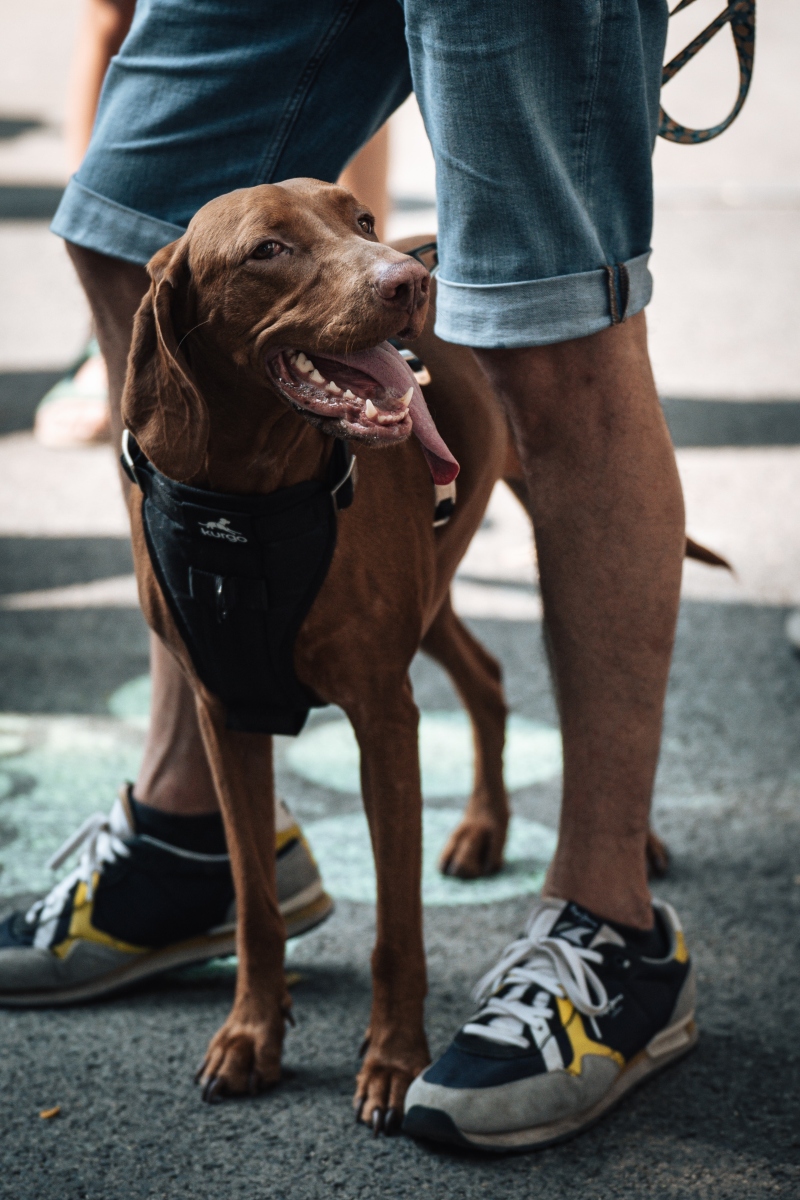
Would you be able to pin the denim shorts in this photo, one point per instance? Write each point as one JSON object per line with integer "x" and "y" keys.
{"x": 542, "y": 115}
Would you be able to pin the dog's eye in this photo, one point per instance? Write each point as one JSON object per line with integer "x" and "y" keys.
{"x": 367, "y": 223}
{"x": 268, "y": 250}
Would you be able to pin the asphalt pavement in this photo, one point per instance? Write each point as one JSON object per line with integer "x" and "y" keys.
{"x": 722, "y": 1125}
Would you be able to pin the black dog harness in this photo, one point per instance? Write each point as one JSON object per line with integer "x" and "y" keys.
{"x": 240, "y": 574}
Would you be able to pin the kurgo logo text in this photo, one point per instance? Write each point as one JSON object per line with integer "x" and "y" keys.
{"x": 221, "y": 529}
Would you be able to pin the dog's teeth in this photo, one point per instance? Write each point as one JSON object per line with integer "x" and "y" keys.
{"x": 390, "y": 418}
{"x": 349, "y": 395}
{"x": 406, "y": 400}
{"x": 371, "y": 411}
{"x": 304, "y": 364}
{"x": 333, "y": 389}
{"x": 315, "y": 376}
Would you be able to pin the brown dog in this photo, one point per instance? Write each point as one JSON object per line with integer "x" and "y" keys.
{"x": 215, "y": 397}
{"x": 255, "y": 344}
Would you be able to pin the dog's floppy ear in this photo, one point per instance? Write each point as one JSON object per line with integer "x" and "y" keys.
{"x": 161, "y": 403}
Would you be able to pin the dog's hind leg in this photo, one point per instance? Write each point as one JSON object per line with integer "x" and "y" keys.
{"x": 386, "y": 724}
{"x": 245, "y": 1054}
{"x": 476, "y": 846}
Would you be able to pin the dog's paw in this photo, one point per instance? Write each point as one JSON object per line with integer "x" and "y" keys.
{"x": 657, "y": 857}
{"x": 475, "y": 848}
{"x": 381, "y": 1090}
{"x": 243, "y": 1058}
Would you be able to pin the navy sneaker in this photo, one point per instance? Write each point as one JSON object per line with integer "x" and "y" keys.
{"x": 577, "y": 1012}
{"x": 138, "y": 904}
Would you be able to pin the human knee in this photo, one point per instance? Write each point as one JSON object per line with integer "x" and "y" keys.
{"x": 587, "y": 387}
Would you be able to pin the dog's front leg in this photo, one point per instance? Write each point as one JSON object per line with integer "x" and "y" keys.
{"x": 397, "y": 1050}
{"x": 245, "y": 1054}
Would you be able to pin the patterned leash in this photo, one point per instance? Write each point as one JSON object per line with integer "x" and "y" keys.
{"x": 741, "y": 16}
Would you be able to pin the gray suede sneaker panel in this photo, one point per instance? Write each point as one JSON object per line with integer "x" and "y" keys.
{"x": 29, "y": 968}
{"x": 296, "y": 872}
{"x": 537, "y": 1100}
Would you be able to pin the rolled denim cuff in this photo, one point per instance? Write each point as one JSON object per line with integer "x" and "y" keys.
{"x": 539, "y": 312}
{"x": 90, "y": 220}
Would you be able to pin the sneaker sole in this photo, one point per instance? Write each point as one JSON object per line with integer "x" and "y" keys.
{"x": 665, "y": 1048}
{"x": 219, "y": 943}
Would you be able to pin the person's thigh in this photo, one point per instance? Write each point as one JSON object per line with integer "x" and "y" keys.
{"x": 542, "y": 116}
{"x": 210, "y": 95}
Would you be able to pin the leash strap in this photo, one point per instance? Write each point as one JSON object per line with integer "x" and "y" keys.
{"x": 741, "y": 16}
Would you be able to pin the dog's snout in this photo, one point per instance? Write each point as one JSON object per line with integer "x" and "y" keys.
{"x": 404, "y": 285}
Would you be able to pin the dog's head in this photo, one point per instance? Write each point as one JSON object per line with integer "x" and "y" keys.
{"x": 288, "y": 284}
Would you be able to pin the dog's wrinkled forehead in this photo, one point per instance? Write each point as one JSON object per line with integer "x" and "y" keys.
{"x": 307, "y": 213}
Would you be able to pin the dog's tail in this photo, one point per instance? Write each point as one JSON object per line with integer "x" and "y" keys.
{"x": 703, "y": 554}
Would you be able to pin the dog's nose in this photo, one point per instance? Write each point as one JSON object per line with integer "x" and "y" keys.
{"x": 405, "y": 285}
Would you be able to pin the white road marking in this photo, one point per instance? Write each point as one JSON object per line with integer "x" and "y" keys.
{"x": 117, "y": 591}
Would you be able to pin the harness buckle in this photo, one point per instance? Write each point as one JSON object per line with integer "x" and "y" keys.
{"x": 347, "y": 497}
{"x": 126, "y": 458}
{"x": 444, "y": 501}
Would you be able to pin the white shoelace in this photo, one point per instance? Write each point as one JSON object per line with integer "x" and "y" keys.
{"x": 100, "y": 835}
{"x": 559, "y": 969}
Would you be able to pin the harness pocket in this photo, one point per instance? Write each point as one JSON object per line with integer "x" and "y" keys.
{"x": 226, "y": 594}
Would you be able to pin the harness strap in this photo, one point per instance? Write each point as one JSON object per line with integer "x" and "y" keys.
{"x": 741, "y": 16}
{"x": 445, "y": 502}
{"x": 427, "y": 248}
{"x": 344, "y": 470}
{"x": 340, "y": 477}
{"x": 444, "y": 495}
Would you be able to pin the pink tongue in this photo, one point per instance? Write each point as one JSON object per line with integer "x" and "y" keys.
{"x": 386, "y": 366}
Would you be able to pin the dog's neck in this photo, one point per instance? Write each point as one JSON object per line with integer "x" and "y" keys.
{"x": 256, "y": 443}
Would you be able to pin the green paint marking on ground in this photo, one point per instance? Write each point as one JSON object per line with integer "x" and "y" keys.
{"x": 131, "y": 702}
{"x": 57, "y": 770}
{"x": 342, "y": 849}
{"x": 327, "y": 754}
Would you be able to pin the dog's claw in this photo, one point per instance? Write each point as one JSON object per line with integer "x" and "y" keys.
{"x": 377, "y": 1121}
{"x": 360, "y": 1108}
{"x": 198, "y": 1075}
{"x": 391, "y": 1122}
{"x": 364, "y": 1047}
{"x": 212, "y": 1093}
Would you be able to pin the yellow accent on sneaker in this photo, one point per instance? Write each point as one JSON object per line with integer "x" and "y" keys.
{"x": 581, "y": 1043}
{"x": 284, "y": 836}
{"x": 681, "y": 952}
{"x": 81, "y": 927}
{"x": 288, "y": 830}
{"x": 293, "y": 834}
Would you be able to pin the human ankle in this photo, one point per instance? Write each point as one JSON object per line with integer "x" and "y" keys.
{"x": 613, "y": 898}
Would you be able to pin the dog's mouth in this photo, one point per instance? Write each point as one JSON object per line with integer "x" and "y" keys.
{"x": 371, "y": 396}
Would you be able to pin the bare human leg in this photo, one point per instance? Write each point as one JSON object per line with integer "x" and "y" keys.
{"x": 366, "y": 178}
{"x": 103, "y": 28}
{"x": 174, "y": 775}
{"x": 608, "y": 513}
